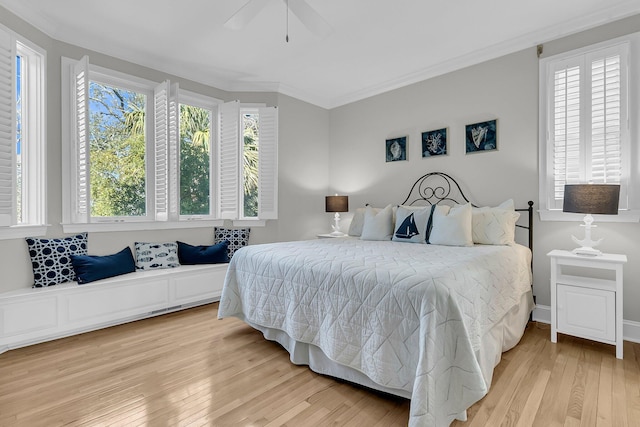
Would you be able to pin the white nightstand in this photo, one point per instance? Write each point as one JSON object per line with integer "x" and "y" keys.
{"x": 329, "y": 236}
{"x": 587, "y": 307}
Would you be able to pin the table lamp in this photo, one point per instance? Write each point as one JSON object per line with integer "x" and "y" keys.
{"x": 336, "y": 204}
{"x": 601, "y": 199}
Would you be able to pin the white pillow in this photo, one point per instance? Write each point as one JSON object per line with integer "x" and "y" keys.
{"x": 452, "y": 228}
{"x": 411, "y": 224}
{"x": 494, "y": 226}
{"x": 377, "y": 225}
{"x": 355, "y": 228}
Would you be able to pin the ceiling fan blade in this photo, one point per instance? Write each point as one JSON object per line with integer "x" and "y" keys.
{"x": 245, "y": 14}
{"x": 309, "y": 17}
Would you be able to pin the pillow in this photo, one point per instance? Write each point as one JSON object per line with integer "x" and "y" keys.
{"x": 50, "y": 258}
{"x": 214, "y": 254}
{"x": 237, "y": 238}
{"x": 89, "y": 268}
{"x": 411, "y": 224}
{"x": 355, "y": 228}
{"x": 151, "y": 256}
{"x": 377, "y": 226}
{"x": 494, "y": 226}
{"x": 499, "y": 224}
{"x": 452, "y": 228}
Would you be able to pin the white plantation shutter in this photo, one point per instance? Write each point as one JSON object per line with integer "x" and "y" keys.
{"x": 174, "y": 156}
{"x": 587, "y": 125}
{"x": 80, "y": 185}
{"x": 268, "y": 163}
{"x": 7, "y": 129}
{"x": 166, "y": 150}
{"x": 228, "y": 169}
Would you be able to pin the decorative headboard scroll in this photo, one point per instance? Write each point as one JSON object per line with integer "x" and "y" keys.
{"x": 434, "y": 188}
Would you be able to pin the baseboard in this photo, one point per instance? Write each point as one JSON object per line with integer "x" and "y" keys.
{"x": 630, "y": 329}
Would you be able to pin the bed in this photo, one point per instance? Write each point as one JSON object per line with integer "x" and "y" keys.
{"x": 427, "y": 322}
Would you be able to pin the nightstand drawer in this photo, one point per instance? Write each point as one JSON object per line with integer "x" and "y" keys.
{"x": 587, "y": 313}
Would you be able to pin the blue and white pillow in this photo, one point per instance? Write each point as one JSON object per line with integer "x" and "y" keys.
{"x": 151, "y": 256}
{"x": 411, "y": 224}
{"x": 51, "y": 258}
{"x": 237, "y": 237}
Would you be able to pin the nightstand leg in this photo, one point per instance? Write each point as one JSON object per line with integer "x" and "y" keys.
{"x": 619, "y": 309}
{"x": 554, "y": 314}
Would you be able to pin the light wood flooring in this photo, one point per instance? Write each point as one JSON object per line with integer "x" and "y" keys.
{"x": 190, "y": 369}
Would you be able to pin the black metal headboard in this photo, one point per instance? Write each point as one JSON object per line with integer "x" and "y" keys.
{"x": 436, "y": 187}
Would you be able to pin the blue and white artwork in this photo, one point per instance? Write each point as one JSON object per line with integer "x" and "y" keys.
{"x": 434, "y": 143}
{"x": 481, "y": 136}
{"x": 396, "y": 149}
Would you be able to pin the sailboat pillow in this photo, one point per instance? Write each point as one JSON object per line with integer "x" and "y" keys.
{"x": 411, "y": 224}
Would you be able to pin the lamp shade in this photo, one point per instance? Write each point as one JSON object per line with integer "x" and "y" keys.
{"x": 336, "y": 203}
{"x": 591, "y": 198}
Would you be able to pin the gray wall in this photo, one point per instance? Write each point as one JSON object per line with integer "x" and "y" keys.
{"x": 342, "y": 150}
{"x": 303, "y": 135}
{"x": 505, "y": 89}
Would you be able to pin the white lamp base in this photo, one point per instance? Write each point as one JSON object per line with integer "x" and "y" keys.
{"x": 587, "y": 244}
{"x": 336, "y": 227}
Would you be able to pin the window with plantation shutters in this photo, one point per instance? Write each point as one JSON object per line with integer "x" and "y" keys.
{"x": 585, "y": 122}
{"x": 22, "y": 145}
{"x": 200, "y": 162}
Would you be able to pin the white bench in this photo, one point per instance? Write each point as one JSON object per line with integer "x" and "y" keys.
{"x": 34, "y": 315}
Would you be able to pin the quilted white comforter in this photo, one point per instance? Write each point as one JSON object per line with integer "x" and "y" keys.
{"x": 409, "y": 316}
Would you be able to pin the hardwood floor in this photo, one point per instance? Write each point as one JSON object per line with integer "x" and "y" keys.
{"x": 188, "y": 368}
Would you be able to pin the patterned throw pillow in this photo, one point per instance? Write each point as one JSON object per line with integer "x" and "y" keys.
{"x": 237, "y": 238}
{"x": 150, "y": 256}
{"x": 51, "y": 258}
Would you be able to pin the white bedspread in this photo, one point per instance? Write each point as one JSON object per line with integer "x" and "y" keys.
{"x": 409, "y": 316}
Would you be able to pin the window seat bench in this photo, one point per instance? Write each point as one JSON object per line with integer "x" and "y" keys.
{"x": 34, "y": 315}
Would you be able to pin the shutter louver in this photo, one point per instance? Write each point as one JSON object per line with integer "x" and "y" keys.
{"x": 228, "y": 159}
{"x": 81, "y": 117}
{"x": 268, "y": 164}
{"x": 566, "y": 129}
{"x": 7, "y": 129}
{"x": 174, "y": 150}
{"x": 606, "y": 165}
{"x": 161, "y": 115}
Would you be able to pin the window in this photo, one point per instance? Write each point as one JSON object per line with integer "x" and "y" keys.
{"x": 22, "y": 124}
{"x": 197, "y": 131}
{"x": 160, "y": 156}
{"x": 117, "y": 151}
{"x": 248, "y": 152}
{"x": 586, "y": 109}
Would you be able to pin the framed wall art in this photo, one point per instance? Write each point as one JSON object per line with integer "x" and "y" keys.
{"x": 434, "y": 143}
{"x": 396, "y": 149}
{"x": 481, "y": 137}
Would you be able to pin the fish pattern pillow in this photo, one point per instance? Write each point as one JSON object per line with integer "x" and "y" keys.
{"x": 151, "y": 256}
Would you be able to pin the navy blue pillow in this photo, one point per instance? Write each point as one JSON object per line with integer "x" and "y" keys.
{"x": 214, "y": 254}
{"x": 89, "y": 268}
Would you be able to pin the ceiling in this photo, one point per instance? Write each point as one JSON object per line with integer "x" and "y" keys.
{"x": 375, "y": 46}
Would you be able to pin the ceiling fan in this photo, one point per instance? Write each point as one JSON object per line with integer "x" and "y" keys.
{"x": 300, "y": 8}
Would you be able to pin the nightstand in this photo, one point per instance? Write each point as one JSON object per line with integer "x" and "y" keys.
{"x": 330, "y": 236}
{"x": 584, "y": 306}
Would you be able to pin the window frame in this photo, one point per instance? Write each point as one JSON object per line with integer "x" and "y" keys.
{"x": 630, "y": 130}
{"x": 114, "y": 79}
{"x": 33, "y": 142}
